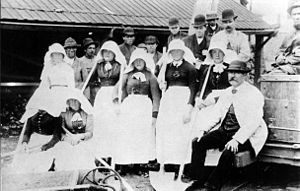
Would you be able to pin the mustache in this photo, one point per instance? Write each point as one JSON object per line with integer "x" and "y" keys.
{"x": 232, "y": 79}
{"x": 228, "y": 27}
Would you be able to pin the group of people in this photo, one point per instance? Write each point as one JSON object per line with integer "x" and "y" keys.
{"x": 146, "y": 105}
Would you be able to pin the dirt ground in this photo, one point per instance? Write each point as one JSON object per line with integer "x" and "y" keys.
{"x": 259, "y": 176}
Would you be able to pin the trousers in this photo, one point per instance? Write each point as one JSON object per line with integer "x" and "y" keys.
{"x": 216, "y": 139}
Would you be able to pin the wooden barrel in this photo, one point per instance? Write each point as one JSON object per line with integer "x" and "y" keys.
{"x": 282, "y": 114}
{"x": 282, "y": 106}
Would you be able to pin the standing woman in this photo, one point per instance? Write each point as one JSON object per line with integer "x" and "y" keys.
{"x": 105, "y": 77}
{"x": 42, "y": 115}
{"x": 138, "y": 113}
{"x": 172, "y": 128}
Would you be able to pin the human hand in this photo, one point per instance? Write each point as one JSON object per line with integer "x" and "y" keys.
{"x": 24, "y": 147}
{"x": 153, "y": 122}
{"x": 200, "y": 104}
{"x": 232, "y": 145}
{"x": 72, "y": 139}
{"x": 280, "y": 59}
{"x": 163, "y": 86}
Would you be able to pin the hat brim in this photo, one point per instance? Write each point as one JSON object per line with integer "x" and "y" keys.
{"x": 214, "y": 18}
{"x": 71, "y": 46}
{"x": 238, "y": 70}
{"x": 196, "y": 25}
{"x": 234, "y": 18}
{"x": 96, "y": 43}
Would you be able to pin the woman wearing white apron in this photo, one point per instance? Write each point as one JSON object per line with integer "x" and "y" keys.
{"x": 105, "y": 77}
{"x": 141, "y": 97}
{"x": 74, "y": 152}
{"x": 42, "y": 130}
{"x": 173, "y": 128}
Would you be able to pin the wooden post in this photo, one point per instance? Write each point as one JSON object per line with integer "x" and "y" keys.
{"x": 258, "y": 58}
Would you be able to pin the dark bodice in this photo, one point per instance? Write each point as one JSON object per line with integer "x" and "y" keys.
{"x": 216, "y": 81}
{"x": 183, "y": 75}
{"x": 76, "y": 122}
{"x": 44, "y": 124}
{"x": 103, "y": 77}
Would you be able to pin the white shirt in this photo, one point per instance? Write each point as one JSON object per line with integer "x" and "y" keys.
{"x": 199, "y": 40}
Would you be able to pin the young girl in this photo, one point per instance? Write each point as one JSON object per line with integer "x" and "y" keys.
{"x": 136, "y": 134}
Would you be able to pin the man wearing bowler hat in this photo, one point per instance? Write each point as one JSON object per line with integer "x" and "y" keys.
{"x": 87, "y": 62}
{"x": 71, "y": 59}
{"x": 151, "y": 43}
{"x": 233, "y": 40}
{"x": 197, "y": 42}
{"x": 174, "y": 28}
{"x": 127, "y": 47}
{"x": 212, "y": 26}
{"x": 238, "y": 126}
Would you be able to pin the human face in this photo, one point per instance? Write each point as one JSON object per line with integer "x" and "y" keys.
{"x": 174, "y": 29}
{"x": 229, "y": 25}
{"x": 177, "y": 54}
{"x": 139, "y": 64}
{"x": 217, "y": 55}
{"x": 295, "y": 14}
{"x": 57, "y": 57}
{"x": 236, "y": 78}
{"x": 71, "y": 52}
{"x": 90, "y": 51}
{"x": 129, "y": 39}
{"x": 199, "y": 31}
{"x": 108, "y": 55}
{"x": 212, "y": 23}
{"x": 151, "y": 47}
{"x": 74, "y": 104}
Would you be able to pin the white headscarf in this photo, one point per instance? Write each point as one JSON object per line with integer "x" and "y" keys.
{"x": 74, "y": 93}
{"x": 229, "y": 55}
{"x": 140, "y": 53}
{"x": 54, "y": 48}
{"x": 111, "y": 46}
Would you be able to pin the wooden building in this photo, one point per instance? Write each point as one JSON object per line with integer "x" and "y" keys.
{"x": 28, "y": 27}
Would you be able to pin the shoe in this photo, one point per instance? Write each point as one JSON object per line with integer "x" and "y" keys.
{"x": 196, "y": 185}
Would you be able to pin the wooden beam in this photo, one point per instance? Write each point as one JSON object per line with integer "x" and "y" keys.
{"x": 258, "y": 58}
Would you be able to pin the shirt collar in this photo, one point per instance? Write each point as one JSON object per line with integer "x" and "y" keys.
{"x": 177, "y": 63}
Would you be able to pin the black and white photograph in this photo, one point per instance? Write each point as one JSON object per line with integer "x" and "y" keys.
{"x": 150, "y": 95}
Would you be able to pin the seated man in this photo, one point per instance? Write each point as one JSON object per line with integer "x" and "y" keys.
{"x": 239, "y": 112}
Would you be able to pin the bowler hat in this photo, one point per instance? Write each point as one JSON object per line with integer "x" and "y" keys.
{"x": 212, "y": 16}
{"x": 228, "y": 14}
{"x": 128, "y": 31}
{"x": 238, "y": 66}
{"x": 88, "y": 41}
{"x": 293, "y": 4}
{"x": 199, "y": 20}
{"x": 151, "y": 40}
{"x": 173, "y": 21}
{"x": 70, "y": 42}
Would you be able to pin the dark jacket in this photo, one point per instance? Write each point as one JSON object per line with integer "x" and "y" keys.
{"x": 127, "y": 50}
{"x": 191, "y": 43}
